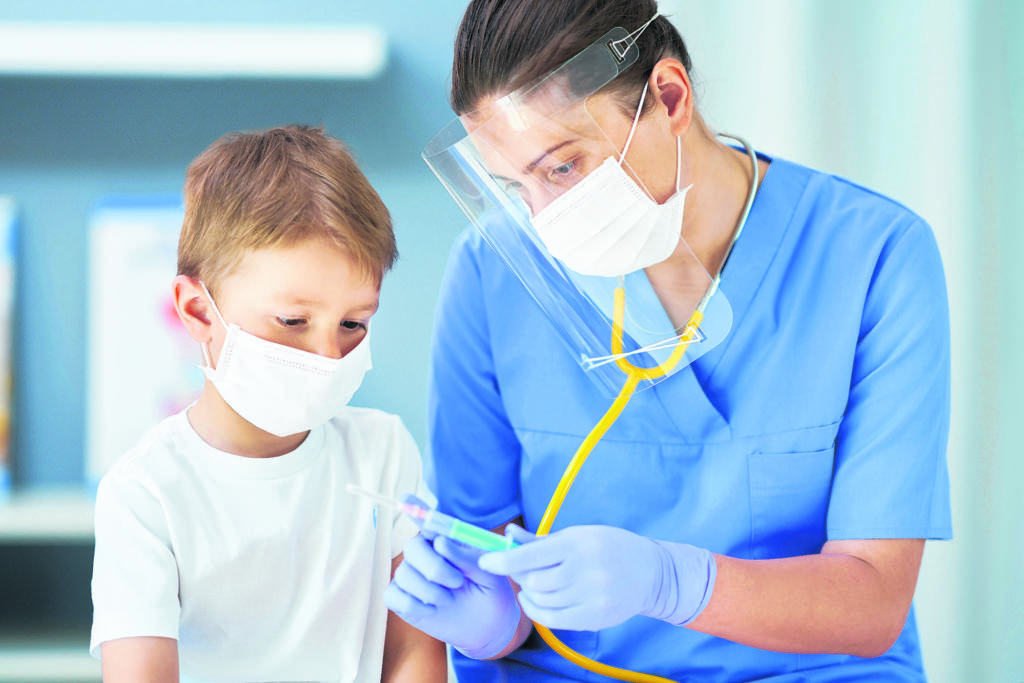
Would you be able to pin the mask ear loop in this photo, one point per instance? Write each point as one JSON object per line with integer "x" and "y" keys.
{"x": 631, "y": 39}
{"x": 632, "y": 130}
{"x": 204, "y": 345}
{"x": 679, "y": 161}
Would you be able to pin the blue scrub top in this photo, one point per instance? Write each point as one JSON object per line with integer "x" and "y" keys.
{"x": 823, "y": 415}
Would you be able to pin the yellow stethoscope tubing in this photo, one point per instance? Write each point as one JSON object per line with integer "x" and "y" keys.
{"x": 634, "y": 375}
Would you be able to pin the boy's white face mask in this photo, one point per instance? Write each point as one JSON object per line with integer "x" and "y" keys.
{"x": 280, "y": 389}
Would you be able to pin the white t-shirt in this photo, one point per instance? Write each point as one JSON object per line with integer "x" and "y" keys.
{"x": 263, "y": 569}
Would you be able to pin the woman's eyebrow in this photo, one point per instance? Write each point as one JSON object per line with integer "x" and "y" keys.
{"x": 533, "y": 164}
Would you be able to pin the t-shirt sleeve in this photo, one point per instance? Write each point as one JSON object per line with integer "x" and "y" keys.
{"x": 408, "y": 478}
{"x": 472, "y": 463}
{"x": 890, "y": 478}
{"x": 135, "y": 575}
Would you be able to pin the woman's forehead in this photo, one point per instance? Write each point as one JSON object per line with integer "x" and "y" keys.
{"x": 518, "y": 133}
{"x": 538, "y": 107}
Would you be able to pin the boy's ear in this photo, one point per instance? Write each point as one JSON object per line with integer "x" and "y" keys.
{"x": 193, "y": 308}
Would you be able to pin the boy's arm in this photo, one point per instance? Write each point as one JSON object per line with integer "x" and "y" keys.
{"x": 409, "y": 654}
{"x": 134, "y": 585}
{"x": 143, "y": 659}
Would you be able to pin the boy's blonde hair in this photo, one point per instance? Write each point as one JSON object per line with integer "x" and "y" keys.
{"x": 276, "y": 187}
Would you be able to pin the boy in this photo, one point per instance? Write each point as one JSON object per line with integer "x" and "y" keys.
{"x": 227, "y": 546}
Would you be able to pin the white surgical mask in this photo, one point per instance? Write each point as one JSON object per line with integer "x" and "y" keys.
{"x": 280, "y": 389}
{"x": 607, "y": 225}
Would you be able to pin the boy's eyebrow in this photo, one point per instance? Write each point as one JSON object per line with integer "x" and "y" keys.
{"x": 301, "y": 301}
{"x": 370, "y": 308}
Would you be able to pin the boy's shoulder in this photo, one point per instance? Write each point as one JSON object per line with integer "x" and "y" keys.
{"x": 158, "y": 454}
{"x": 373, "y": 444}
{"x": 368, "y": 425}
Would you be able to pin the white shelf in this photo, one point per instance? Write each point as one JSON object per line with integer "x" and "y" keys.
{"x": 191, "y": 50}
{"x": 47, "y": 515}
{"x": 47, "y": 656}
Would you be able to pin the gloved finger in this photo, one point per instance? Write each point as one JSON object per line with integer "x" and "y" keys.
{"x": 555, "y": 617}
{"x": 544, "y": 552}
{"x": 549, "y": 600}
{"x": 519, "y": 534}
{"x": 404, "y": 605}
{"x": 545, "y": 580}
{"x": 458, "y": 554}
{"x": 416, "y": 585}
{"x": 420, "y": 553}
{"x": 465, "y": 558}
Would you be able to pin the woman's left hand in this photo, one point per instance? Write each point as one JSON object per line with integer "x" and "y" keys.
{"x": 594, "y": 577}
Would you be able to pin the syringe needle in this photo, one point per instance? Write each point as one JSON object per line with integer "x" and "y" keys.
{"x": 374, "y": 496}
{"x": 430, "y": 520}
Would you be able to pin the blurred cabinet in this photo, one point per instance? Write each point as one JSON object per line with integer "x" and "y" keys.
{"x": 46, "y": 547}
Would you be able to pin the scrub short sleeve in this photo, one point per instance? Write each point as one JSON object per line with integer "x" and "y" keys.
{"x": 407, "y": 478}
{"x": 473, "y": 460}
{"x": 135, "y": 575}
{"x": 890, "y": 478}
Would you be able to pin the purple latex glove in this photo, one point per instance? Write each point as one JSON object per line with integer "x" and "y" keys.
{"x": 440, "y": 590}
{"x": 587, "y": 578}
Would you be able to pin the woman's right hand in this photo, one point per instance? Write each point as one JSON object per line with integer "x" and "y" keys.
{"x": 440, "y": 590}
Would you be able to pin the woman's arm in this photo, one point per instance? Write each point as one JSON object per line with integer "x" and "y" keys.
{"x": 410, "y": 654}
{"x": 143, "y": 659}
{"x": 852, "y": 598}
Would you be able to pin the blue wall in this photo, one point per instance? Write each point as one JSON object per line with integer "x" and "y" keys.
{"x": 64, "y": 142}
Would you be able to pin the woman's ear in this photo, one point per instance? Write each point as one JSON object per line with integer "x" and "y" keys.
{"x": 670, "y": 86}
{"x": 193, "y": 308}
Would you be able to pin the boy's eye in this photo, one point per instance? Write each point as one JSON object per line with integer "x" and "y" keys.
{"x": 353, "y": 325}
{"x": 291, "y": 322}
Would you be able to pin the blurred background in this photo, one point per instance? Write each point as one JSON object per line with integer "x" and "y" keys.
{"x": 919, "y": 100}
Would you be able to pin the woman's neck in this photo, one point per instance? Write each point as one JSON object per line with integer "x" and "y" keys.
{"x": 721, "y": 178}
{"x": 218, "y": 425}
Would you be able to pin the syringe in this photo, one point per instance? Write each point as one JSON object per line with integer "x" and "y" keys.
{"x": 430, "y": 520}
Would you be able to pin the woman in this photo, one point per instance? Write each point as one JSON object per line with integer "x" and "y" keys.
{"x": 760, "y": 511}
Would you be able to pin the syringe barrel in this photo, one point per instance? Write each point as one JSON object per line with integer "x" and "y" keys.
{"x": 479, "y": 538}
{"x": 464, "y": 532}
{"x": 438, "y": 523}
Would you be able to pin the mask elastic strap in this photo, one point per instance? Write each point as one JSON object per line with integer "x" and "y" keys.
{"x": 636, "y": 120}
{"x": 204, "y": 346}
{"x": 679, "y": 161}
{"x": 214, "y": 304}
{"x": 206, "y": 355}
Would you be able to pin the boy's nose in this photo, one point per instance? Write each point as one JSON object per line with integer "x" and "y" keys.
{"x": 332, "y": 346}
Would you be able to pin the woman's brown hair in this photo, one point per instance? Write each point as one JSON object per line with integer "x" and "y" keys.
{"x": 503, "y": 45}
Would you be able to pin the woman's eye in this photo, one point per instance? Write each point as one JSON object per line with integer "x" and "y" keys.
{"x": 353, "y": 325}
{"x": 291, "y": 322}
{"x": 563, "y": 170}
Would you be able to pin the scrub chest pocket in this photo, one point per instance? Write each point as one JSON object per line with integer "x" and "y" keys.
{"x": 789, "y": 496}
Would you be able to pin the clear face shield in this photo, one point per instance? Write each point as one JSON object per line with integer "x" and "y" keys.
{"x": 548, "y": 187}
